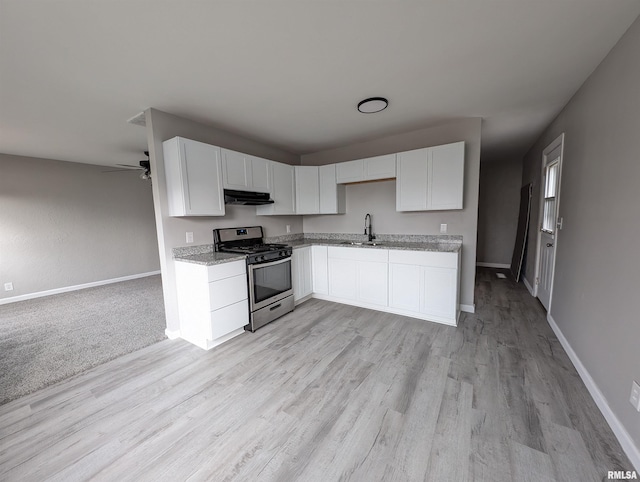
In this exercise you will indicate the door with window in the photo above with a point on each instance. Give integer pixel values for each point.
(551, 169)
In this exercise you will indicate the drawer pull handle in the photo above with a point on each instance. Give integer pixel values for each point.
(275, 307)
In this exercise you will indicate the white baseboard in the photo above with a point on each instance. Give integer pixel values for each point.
(172, 334)
(468, 308)
(627, 443)
(493, 265)
(66, 289)
(526, 283)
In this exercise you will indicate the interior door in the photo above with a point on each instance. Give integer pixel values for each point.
(549, 223)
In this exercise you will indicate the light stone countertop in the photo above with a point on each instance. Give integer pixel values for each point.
(452, 247)
(205, 255)
(209, 258)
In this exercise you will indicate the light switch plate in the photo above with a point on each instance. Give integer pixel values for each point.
(189, 237)
(443, 228)
(288, 228)
(8, 286)
(635, 396)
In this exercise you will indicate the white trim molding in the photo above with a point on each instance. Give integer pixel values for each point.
(468, 308)
(66, 289)
(627, 443)
(528, 285)
(493, 265)
(172, 334)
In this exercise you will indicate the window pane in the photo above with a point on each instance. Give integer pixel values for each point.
(549, 217)
(551, 180)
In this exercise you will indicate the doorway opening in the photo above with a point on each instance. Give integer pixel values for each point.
(549, 221)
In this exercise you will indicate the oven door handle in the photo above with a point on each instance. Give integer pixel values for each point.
(271, 263)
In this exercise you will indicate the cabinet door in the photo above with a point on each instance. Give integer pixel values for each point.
(404, 287)
(446, 176)
(194, 178)
(296, 274)
(332, 195)
(283, 191)
(373, 282)
(320, 269)
(380, 167)
(343, 278)
(438, 295)
(261, 174)
(228, 319)
(350, 171)
(411, 183)
(236, 169)
(307, 271)
(307, 190)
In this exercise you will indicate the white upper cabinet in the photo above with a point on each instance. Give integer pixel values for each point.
(332, 195)
(283, 191)
(307, 190)
(261, 174)
(411, 183)
(369, 169)
(380, 167)
(194, 178)
(350, 171)
(446, 177)
(431, 178)
(236, 168)
(244, 172)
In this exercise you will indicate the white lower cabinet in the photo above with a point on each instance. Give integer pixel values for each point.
(320, 271)
(425, 284)
(212, 302)
(301, 273)
(343, 276)
(420, 284)
(358, 274)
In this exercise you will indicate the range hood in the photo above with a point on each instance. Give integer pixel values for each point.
(247, 198)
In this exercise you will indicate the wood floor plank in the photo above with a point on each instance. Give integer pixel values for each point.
(529, 465)
(449, 457)
(328, 392)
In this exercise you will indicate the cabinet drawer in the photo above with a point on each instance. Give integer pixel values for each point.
(227, 291)
(226, 270)
(228, 319)
(424, 258)
(359, 254)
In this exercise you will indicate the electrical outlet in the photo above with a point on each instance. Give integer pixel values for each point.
(8, 286)
(443, 228)
(189, 237)
(635, 396)
(288, 228)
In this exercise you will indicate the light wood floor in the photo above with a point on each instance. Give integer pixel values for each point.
(329, 392)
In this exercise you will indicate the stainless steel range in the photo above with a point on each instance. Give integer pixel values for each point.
(268, 272)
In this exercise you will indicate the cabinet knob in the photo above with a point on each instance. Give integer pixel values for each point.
(549, 245)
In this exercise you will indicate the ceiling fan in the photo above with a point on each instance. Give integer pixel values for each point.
(144, 166)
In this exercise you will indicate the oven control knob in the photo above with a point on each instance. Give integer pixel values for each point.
(260, 258)
(283, 253)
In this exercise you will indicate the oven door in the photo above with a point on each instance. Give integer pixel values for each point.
(269, 282)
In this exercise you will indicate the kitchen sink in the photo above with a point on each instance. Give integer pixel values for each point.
(361, 243)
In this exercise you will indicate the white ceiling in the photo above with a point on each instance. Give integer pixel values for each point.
(290, 73)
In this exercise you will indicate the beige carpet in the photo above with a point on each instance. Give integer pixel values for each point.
(45, 340)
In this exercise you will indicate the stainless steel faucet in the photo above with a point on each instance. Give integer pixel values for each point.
(368, 229)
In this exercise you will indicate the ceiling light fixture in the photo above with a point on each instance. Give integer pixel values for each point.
(373, 105)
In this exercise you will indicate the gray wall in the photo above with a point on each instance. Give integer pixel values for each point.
(596, 276)
(498, 207)
(64, 224)
(379, 199)
(171, 231)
